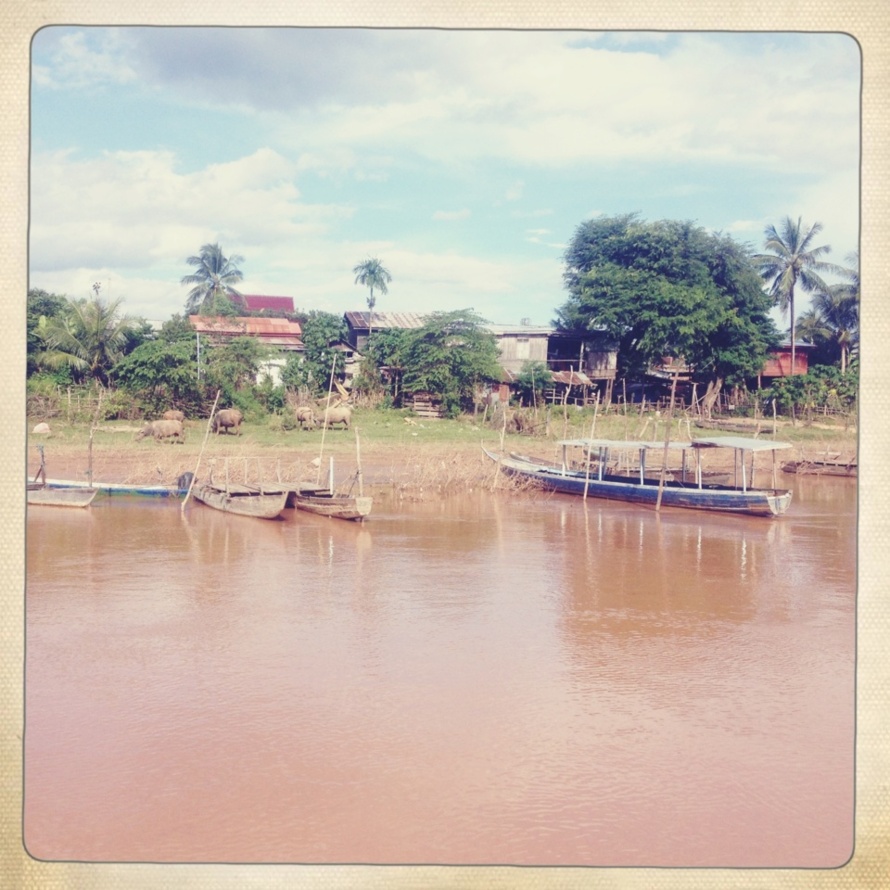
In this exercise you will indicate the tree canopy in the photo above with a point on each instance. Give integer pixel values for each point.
(41, 306)
(312, 368)
(372, 274)
(87, 337)
(832, 321)
(449, 355)
(212, 281)
(668, 288)
(793, 259)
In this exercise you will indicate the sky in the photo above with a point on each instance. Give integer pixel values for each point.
(463, 160)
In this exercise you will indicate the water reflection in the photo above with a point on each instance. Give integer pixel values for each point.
(528, 680)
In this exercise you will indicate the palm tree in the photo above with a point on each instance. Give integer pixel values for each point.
(371, 273)
(834, 315)
(792, 260)
(213, 279)
(88, 337)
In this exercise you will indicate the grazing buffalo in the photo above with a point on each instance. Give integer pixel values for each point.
(341, 414)
(163, 429)
(305, 417)
(228, 419)
(174, 415)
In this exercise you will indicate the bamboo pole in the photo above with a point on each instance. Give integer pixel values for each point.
(667, 442)
(324, 422)
(589, 449)
(200, 454)
(358, 462)
(90, 444)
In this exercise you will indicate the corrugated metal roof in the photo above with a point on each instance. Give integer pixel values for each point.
(243, 326)
(359, 320)
(571, 378)
(519, 330)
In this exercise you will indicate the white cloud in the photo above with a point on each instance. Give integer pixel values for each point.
(515, 114)
(84, 59)
(132, 213)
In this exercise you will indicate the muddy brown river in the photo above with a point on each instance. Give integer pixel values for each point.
(482, 680)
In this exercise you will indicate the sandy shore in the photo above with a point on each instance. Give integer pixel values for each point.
(430, 466)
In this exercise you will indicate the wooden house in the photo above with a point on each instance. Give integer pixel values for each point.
(361, 325)
(278, 333)
(778, 362)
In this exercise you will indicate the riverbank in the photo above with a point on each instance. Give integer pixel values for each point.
(392, 449)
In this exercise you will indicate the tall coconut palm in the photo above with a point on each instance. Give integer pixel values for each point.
(371, 273)
(213, 279)
(792, 260)
(834, 316)
(88, 337)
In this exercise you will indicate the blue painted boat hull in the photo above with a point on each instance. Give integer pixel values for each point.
(157, 491)
(717, 498)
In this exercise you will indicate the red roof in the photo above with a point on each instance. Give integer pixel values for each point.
(256, 302)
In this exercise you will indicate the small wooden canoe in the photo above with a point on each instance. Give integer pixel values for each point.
(241, 500)
(325, 503)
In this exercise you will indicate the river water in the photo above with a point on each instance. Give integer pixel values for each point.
(486, 679)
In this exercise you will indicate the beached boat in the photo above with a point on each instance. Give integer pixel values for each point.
(242, 500)
(595, 475)
(822, 467)
(41, 493)
(324, 502)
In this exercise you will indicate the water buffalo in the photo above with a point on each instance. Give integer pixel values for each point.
(341, 414)
(305, 417)
(174, 415)
(228, 418)
(162, 429)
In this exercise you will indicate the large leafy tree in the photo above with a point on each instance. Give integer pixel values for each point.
(232, 368)
(832, 321)
(162, 373)
(449, 356)
(212, 281)
(791, 258)
(41, 305)
(668, 288)
(372, 274)
(88, 337)
(312, 368)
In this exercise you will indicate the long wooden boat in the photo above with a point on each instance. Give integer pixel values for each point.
(324, 502)
(685, 487)
(40, 493)
(762, 428)
(242, 500)
(121, 488)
